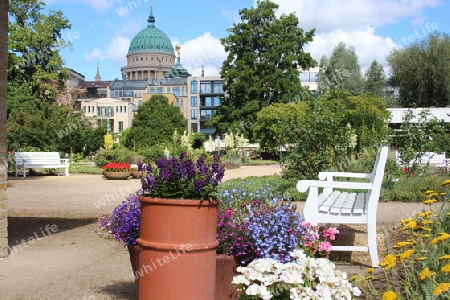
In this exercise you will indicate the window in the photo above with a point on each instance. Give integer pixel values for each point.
(168, 90)
(182, 91)
(117, 109)
(176, 91)
(124, 109)
(218, 87)
(205, 87)
(194, 87)
(193, 101)
(216, 101)
(304, 77)
(152, 90)
(89, 109)
(121, 107)
(193, 114)
(159, 90)
(182, 104)
(207, 101)
(120, 126)
(205, 115)
(194, 127)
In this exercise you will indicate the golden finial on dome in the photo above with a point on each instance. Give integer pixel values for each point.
(178, 48)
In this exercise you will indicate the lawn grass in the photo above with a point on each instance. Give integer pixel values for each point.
(84, 168)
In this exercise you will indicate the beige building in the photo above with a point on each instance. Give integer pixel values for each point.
(116, 113)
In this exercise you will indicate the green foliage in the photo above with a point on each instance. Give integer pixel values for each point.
(426, 134)
(197, 140)
(330, 131)
(34, 40)
(341, 71)
(419, 265)
(155, 123)
(151, 154)
(264, 53)
(376, 82)
(422, 72)
(271, 127)
(115, 155)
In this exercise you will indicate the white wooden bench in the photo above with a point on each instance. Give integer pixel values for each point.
(433, 159)
(40, 160)
(347, 202)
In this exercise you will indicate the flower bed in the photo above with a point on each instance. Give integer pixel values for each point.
(419, 265)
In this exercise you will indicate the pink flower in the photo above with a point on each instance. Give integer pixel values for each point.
(330, 233)
(306, 224)
(325, 246)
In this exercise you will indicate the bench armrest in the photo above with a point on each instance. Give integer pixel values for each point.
(328, 175)
(65, 160)
(304, 185)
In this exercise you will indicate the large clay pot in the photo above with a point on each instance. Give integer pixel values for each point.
(116, 175)
(226, 266)
(178, 256)
(133, 251)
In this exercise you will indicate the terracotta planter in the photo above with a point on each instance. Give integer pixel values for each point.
(178, 257)
(133, 251)
(116, 175)
(225, 270)
(136, 174)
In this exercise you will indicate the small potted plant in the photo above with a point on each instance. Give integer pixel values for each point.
(178, 227)
(116, 170)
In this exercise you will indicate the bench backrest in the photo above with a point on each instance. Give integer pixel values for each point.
(378, 172)
(37, 157)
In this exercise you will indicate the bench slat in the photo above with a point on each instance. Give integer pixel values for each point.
(347, 207)
(361, 204)
(336, 207)
(326, 205)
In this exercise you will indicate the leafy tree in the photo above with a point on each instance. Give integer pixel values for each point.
(422, 72)
(155, 123)
(376, 81)
(273, 123)
(34, 41)
(264, 54)
(341, 71)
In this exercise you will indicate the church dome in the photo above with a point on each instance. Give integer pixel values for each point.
(151, 40)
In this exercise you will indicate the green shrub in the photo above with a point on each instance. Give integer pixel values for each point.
(151, 154)
(114, 155)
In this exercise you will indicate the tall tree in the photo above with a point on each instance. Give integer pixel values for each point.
(34, 41)
(155, 123)
(341, 71)
(264, 54)
(422, 72)
(376, 82)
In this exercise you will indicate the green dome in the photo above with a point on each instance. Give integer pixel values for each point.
(151, 40)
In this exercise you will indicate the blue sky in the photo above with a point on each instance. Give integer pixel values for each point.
(102, 29)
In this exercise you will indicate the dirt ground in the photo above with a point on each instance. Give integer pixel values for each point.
(56, 252)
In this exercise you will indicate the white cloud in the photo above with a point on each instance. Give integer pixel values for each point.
(368, 46)
(116, 51)
(328, 15)
(206, 51)
(95, 54)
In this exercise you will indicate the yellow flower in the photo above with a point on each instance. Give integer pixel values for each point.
(426, 228)
(370, 270)
(388, 262)
(447, 256)
(353, 278)
(407, 254)
(441, 288)
(369, 277)
(428, 192)
(425, 214)
(446, 182)
(410, 225)
(389, 295)
(422, 258)
(425, 273)
(442, 194)
(446, 268)
(406, 220)
(403, 244)
(425, 222)
(444, 236)
(429, 201)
